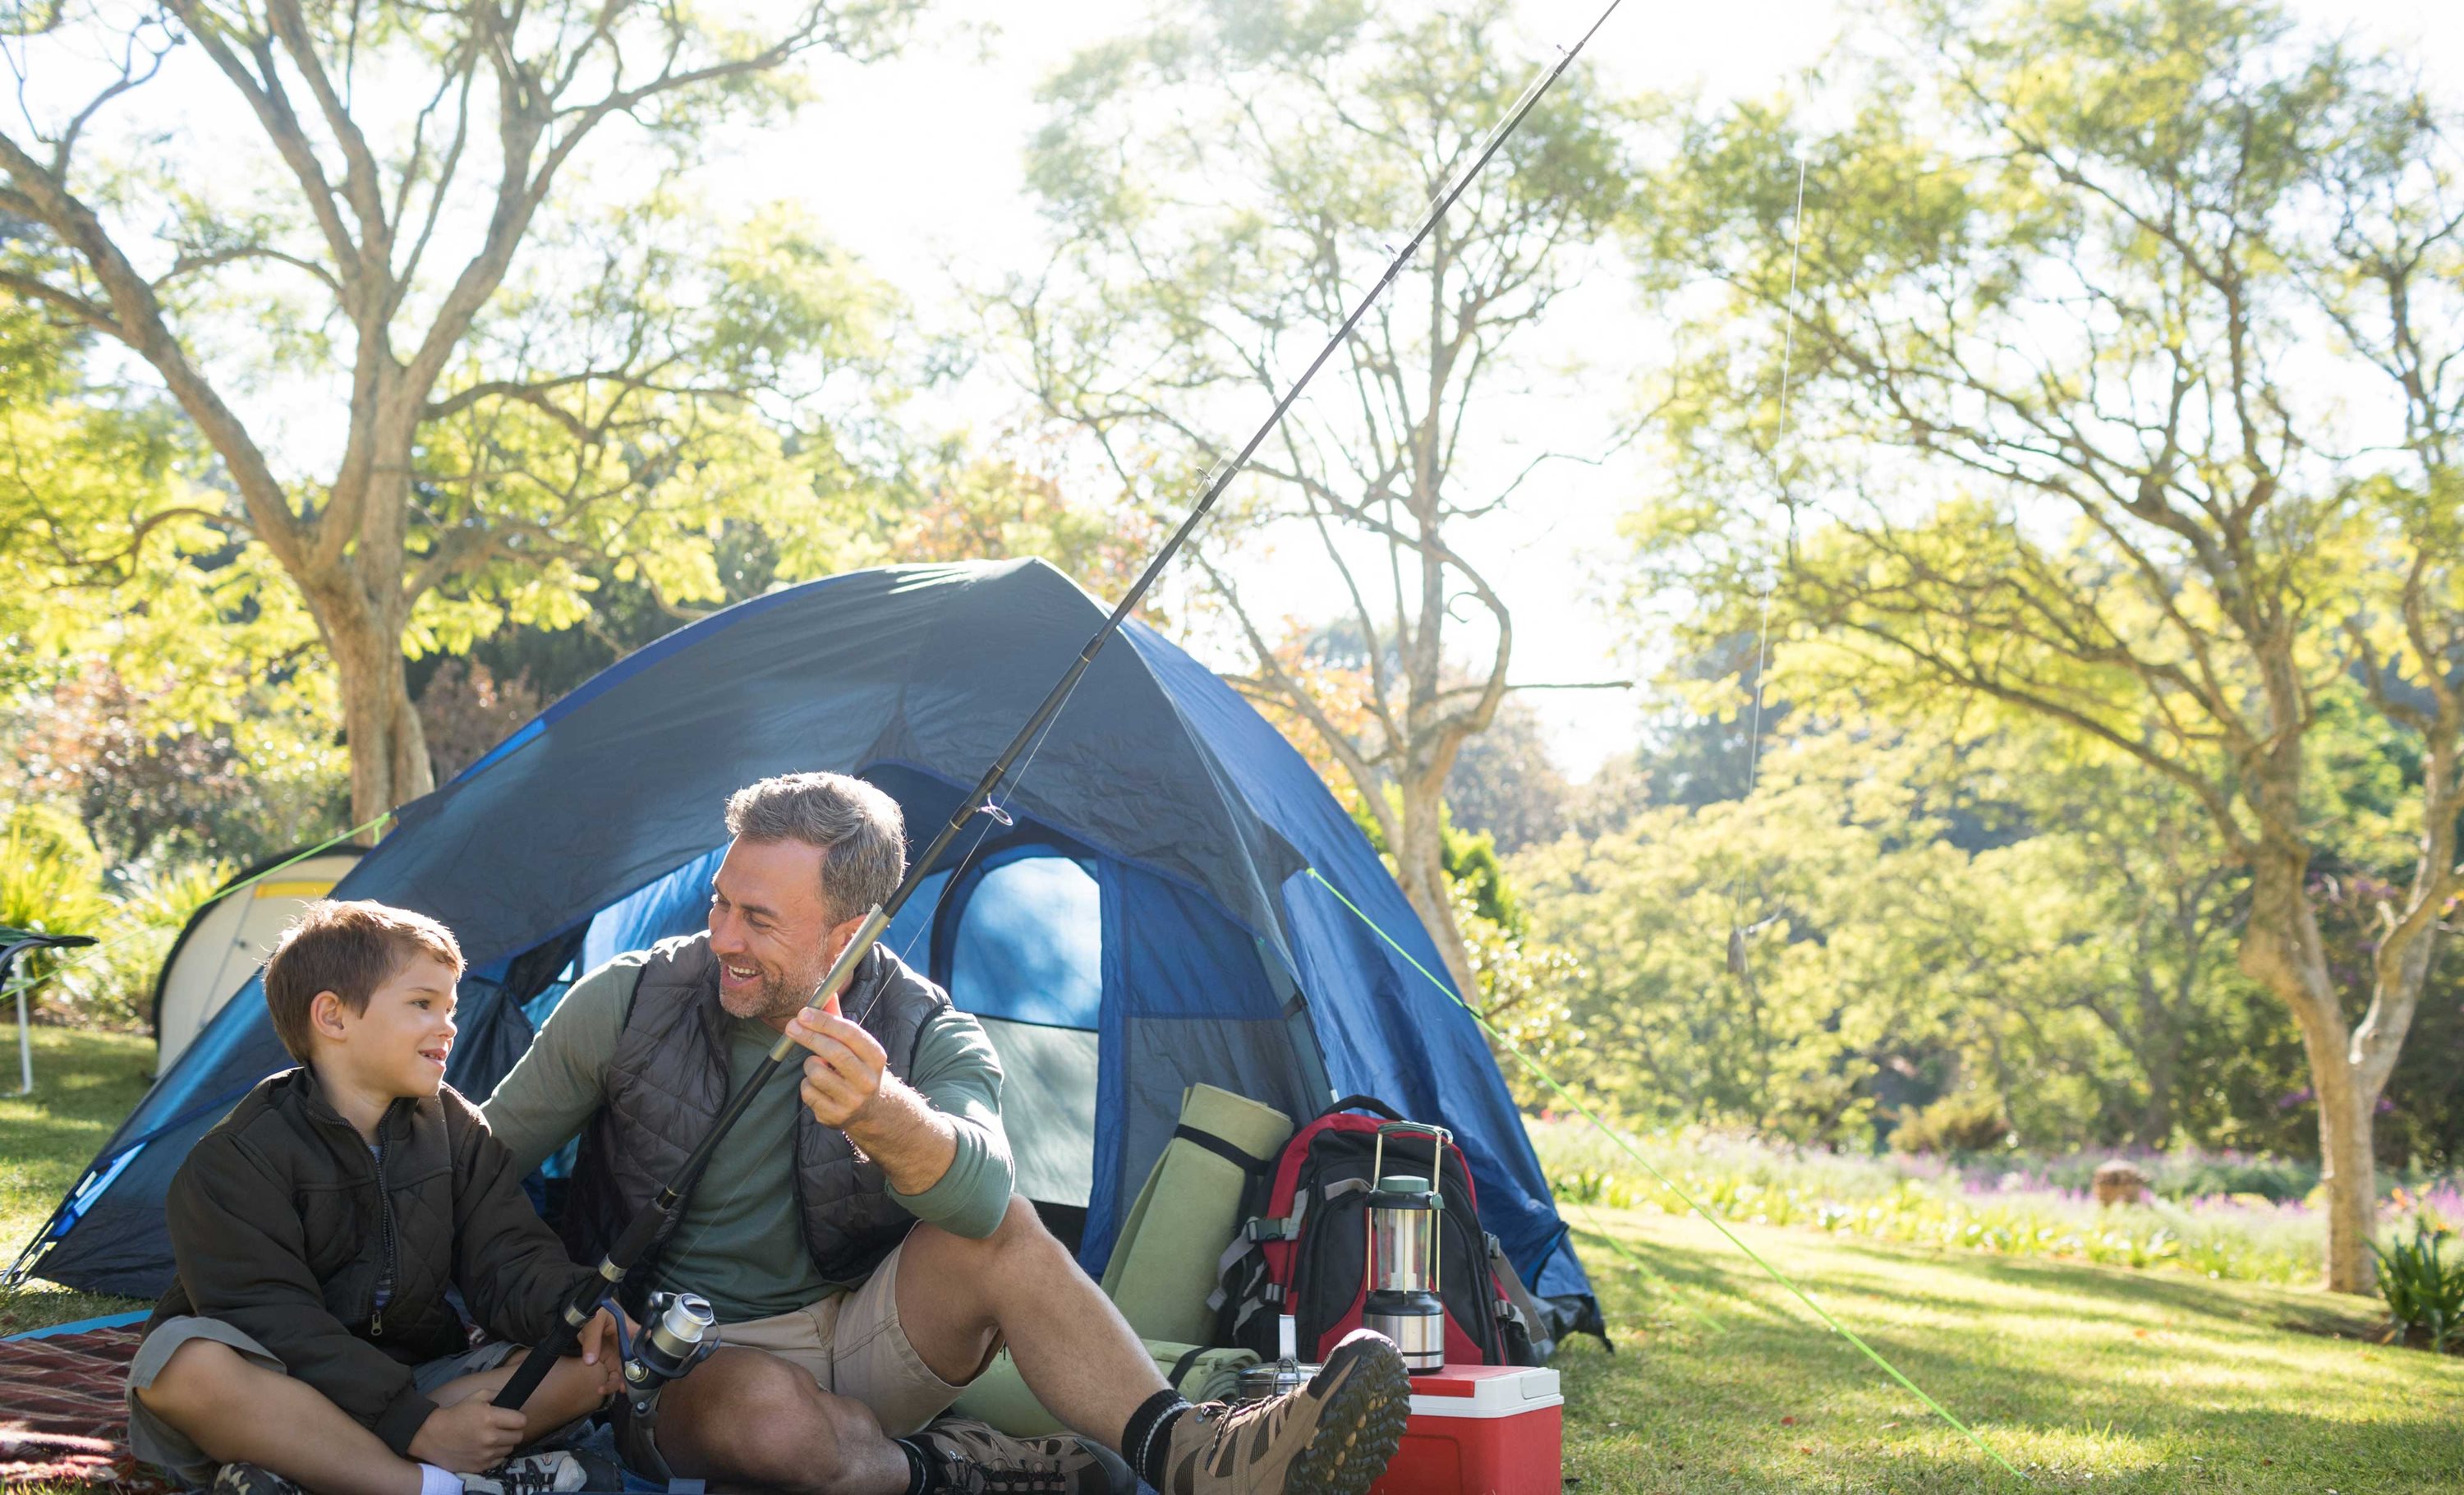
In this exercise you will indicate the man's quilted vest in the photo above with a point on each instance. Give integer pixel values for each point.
(669, 1081)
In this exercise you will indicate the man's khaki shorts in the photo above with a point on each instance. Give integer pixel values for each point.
(853, 1346)
(158, 1442)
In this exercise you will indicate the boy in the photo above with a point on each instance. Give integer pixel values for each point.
(306, 1338)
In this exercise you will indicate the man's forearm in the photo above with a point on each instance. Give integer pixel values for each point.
(899, 1130)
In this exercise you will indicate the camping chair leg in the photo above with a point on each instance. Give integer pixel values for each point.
(25, 1050)
(25, 1039)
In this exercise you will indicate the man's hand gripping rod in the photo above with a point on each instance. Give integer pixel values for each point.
(646, 1227)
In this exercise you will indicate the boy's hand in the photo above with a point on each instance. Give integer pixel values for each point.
(598, 1344)
(468, 1436)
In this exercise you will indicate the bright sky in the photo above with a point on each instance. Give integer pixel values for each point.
(921, 184)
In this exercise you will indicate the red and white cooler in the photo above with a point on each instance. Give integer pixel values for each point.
(1480, 1430)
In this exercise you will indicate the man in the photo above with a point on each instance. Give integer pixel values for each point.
(856, 1231)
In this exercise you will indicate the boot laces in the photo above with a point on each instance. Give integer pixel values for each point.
(1225, 1420)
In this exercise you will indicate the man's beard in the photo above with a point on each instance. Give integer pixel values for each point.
(777, 997)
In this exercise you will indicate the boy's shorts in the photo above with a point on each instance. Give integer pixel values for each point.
(158, 1442)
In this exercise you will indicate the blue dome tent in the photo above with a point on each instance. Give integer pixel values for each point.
(1146, 920)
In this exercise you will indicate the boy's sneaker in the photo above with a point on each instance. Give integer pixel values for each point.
(251, 1479)
(531, 1474)
(977, 1459)
(1332, 1437)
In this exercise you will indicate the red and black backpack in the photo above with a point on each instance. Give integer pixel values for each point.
(1304, 1247)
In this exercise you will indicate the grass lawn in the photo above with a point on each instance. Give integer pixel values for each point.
(2086, 1378)
(85, 1084)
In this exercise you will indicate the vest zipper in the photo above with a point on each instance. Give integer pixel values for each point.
(384, 1217)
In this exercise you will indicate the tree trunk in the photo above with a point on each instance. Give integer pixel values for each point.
(388, 751)
(2348, 1168)
(2281, 949)
(1419, 866)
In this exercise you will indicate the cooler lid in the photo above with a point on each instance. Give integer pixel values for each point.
(1485, 1390)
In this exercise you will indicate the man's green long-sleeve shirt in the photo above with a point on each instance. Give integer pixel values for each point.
(739, 1243)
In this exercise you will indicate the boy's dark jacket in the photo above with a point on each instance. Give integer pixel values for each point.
(279, 1229)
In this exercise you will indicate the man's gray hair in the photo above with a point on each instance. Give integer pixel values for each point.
(861, 835)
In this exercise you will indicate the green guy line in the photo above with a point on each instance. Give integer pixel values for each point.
(1627, 1147)
(72, 961)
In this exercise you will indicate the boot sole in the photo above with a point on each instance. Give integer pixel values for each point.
(1361, 1426)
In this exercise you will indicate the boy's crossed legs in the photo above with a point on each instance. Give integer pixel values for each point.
(214, 1403)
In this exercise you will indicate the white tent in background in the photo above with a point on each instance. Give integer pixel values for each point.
(226, 940)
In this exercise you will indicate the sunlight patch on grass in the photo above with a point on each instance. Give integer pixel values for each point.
(2087, 1377)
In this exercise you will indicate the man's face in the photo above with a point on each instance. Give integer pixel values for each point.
(398, 1046)
(770, 928)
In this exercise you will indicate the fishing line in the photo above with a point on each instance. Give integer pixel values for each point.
(1541, 1072)
(1735, 952)
(1779, 444)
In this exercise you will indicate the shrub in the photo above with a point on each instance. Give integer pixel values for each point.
(1969, 1122)
(52, 879)
(2424, 1290)
(50, 882)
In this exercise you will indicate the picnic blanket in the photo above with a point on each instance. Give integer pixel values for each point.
(64, 1410)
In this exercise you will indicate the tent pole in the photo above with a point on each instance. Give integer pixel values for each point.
(646, 1228)
(25, 1048)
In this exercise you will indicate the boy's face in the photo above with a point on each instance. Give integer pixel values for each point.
(398, 1046)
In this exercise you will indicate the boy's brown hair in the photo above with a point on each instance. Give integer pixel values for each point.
(349, 947)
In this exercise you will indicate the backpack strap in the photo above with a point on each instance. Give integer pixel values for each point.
(1366, 1102)
(1221, 1148)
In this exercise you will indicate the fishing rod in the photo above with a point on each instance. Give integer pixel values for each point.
(646, 1228)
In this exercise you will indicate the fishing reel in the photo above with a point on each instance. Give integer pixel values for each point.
(678, 1330)
(678, 1333)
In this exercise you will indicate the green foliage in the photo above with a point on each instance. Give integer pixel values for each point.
(744, 373)
(2424, 1290)
(1471, 862)
(52, 879)
(1997, 924)
(1524, 992)
(1966, 1123)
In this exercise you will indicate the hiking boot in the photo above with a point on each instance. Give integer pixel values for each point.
(977, 1459)
(531, 1474)
(1332, 1437)
(251, 1479)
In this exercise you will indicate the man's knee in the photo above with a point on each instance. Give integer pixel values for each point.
(1022, 1226)
(1020, 1230)
(762, 1419)
(200, 1376)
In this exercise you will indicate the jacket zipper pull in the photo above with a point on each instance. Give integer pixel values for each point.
(384, 1216)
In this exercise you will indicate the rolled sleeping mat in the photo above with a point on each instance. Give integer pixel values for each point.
(1172, 1242)
(1000, 1397)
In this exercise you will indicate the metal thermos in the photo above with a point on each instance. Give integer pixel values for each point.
(1404, 1212)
